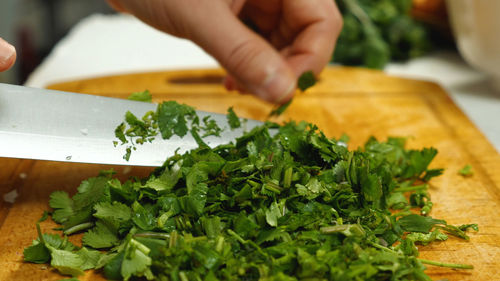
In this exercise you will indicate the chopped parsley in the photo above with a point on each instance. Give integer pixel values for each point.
(305, 81)
(466, 171)
(295, 205)
(141, 96)
(169, 119)
(232, 119)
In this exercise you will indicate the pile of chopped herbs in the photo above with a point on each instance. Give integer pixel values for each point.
(378, 31)
(292, 205)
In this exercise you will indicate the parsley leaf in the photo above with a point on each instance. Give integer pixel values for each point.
(36, 253)
(232, 119)
(144, 96)
(273, 214)
(280, 109)
(62, 205)
(115, 211)
(101, 236)
(172, 119)
(44, 216)
(416, 223)
(90, 258)
(305, 81)
(466, 171)
(66, 262)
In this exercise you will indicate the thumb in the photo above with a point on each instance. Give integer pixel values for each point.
(249, 59)
(7, 55)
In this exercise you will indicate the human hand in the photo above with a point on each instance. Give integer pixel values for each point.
(7, 55)
(294, 36)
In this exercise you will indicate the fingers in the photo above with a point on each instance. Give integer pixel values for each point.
(318, 24)
(115, 4)
(304, 31)
(252, 62)
(7, 55)
(236, 5)
(302, 35)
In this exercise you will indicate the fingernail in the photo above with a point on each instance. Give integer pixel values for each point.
(7, 51)
(277, 87)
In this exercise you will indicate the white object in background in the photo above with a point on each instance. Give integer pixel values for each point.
(476, 25)
(102, 45)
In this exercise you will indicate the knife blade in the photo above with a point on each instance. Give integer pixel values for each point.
(61, 126)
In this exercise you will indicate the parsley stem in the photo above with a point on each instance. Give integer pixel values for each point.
(173, 239)
(78, 227)
(287, 178)
(139, 246)
(245, 242)
(378, 246)
(424, 261)
(346, 229)
(156, 235)
(183, 276)
(444, 264)
(40, 235)
(412, 188)
(253, 183)
(235, 235)
(220, 244)
(272, 187)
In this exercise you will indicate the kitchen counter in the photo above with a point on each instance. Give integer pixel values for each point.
(116, 44)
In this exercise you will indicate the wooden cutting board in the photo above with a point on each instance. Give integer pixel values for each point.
(358, 102)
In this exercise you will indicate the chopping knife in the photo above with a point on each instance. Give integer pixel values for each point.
(60, 126)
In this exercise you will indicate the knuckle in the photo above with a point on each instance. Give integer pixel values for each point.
(333, 17)
(339, 24)
(337, 17)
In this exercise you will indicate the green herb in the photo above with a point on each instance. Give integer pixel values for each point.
(306, 80)
(295, 205)
(280, 109)
(44, 217)
(466, 171)
(465, 227)
(377, 31)
(232, 119)
(450, 265)
(141, 96)
(169, 119)
(62, 254)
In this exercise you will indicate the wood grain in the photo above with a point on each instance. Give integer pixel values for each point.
(358, 102)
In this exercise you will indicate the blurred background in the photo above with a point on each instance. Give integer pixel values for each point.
(395, 30)
(35, 26)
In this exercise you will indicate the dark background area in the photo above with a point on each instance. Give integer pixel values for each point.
(35, 26)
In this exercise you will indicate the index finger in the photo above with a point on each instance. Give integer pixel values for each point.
(7, 55)
(317, 24)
